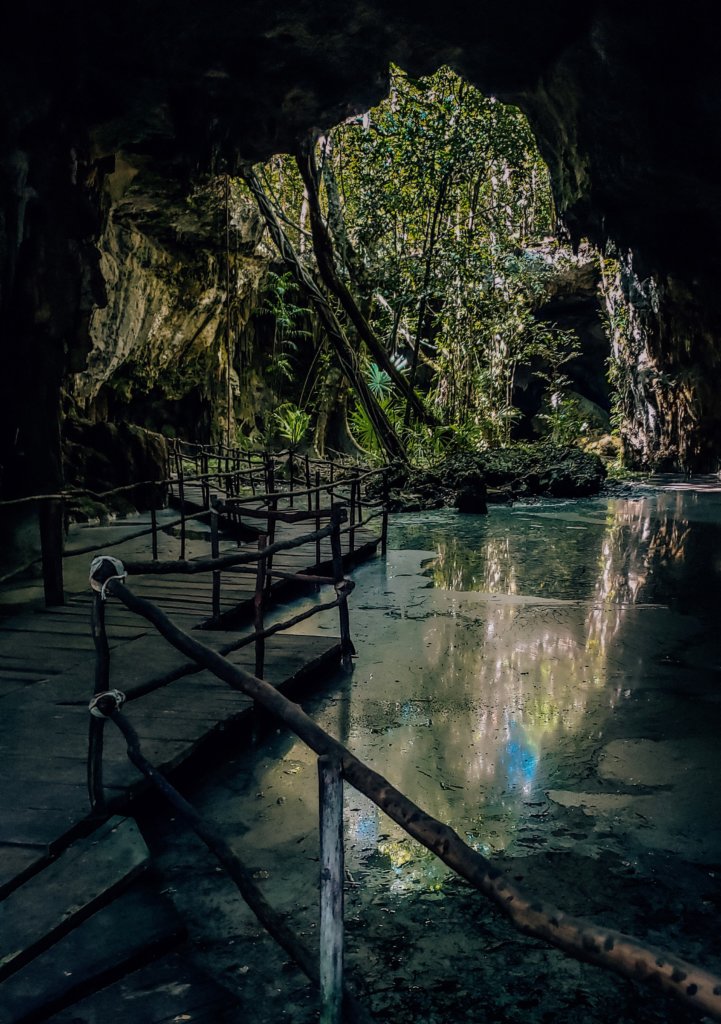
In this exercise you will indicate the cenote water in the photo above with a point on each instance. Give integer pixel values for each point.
(545, 679)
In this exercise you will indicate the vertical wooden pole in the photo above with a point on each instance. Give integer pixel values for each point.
(251, 469)
(181, 499)
(317, 519)
(97, 725)
(258, 606)
(273, 504)
(337, 517)
(52, 540)
(154, 524)
(291, 467)
(205, 484)
(351, 534)
(307, 484)
(271, 540)
(330, 786)
(384, 529)
(214, 552)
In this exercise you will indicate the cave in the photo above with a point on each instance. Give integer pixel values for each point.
(621, 103)
(119, 127)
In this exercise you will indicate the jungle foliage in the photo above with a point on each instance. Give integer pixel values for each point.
(427, 220)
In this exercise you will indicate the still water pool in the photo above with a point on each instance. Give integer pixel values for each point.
(546, 680)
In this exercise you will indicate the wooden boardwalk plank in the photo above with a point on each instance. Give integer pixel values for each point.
(135, 929)
(47, 664)
(172, 989)
(17, 861)
(87, 875)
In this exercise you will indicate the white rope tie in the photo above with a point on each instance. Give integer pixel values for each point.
(118, 574)
(103, 705)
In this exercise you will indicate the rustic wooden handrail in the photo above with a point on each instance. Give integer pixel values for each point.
(284, 516)
(199, 565)
(274, 923)
(577, 937)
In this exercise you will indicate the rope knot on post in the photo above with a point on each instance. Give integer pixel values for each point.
(103, 569)
(344, 587)
(103, 705)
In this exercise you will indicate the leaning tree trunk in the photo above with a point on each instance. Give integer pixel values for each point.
(331, 425)
(323, 248)
(347, 357)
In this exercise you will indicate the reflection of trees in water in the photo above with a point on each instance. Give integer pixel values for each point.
(506, 680)
(546, 558)
(493, 569)
(499, 687)
(640, 545)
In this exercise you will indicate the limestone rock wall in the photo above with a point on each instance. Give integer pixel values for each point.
(159, 345)
(666, 362)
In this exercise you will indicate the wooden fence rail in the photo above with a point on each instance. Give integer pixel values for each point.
(576, 937)
(215, 470)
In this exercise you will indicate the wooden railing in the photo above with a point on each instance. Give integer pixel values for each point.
(259, 565)
(576, 937)
(215, 471)
(257, 485)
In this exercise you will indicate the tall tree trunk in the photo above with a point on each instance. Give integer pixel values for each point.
(423, 305)
(323, 248)
(347, 357)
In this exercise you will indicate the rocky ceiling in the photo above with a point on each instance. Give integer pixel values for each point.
(625, 101)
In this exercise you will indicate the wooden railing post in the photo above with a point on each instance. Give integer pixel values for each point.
(291, 468)
(214, 552)
(205, 481)
(270, 482)
(384, 528)
(97, 725)
(330, 786)
(317, 520)
(337, 517)
(102, 569)
(308, 484)
(52, 540)
(351, 532)
(251, 470)
(258, 607)
(154, 527)
(181, 499)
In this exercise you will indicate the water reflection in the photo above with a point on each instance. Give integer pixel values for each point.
(538, 627)
(496, 655)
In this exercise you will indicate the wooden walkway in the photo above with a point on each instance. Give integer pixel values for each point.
(47, 665)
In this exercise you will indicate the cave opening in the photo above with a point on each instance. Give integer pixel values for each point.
(145, 299)
(437, 211)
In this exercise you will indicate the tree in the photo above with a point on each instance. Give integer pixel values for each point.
(425, 215)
